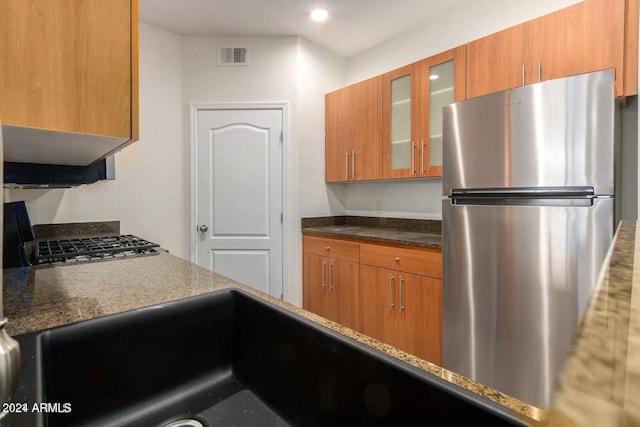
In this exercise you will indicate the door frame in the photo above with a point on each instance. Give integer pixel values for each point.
(283, 106)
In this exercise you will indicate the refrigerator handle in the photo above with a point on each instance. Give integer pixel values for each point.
(526, 192)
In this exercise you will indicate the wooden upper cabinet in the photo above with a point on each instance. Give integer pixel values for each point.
(588, 36)
(353, 132)
(442, 81)
(496, 62)
(70, 66)
(400, 98)
(413, 97)
(338, 134)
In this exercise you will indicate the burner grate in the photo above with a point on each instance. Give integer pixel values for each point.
(90, 248)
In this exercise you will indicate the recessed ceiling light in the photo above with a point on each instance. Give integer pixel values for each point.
(319, 15)
(434, 76)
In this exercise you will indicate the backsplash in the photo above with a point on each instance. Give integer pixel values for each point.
(76, 229)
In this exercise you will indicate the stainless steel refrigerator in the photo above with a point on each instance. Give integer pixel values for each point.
(528, 186)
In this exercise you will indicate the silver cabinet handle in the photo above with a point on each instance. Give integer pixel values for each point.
(324, 264)
(401, 303)
(413, 158)
(539, 71)
(203, 229)
(346, 165)
(390, 292)
(522, 74)
(396, 259)
(330, 275)
(353, 164)
(422, 158)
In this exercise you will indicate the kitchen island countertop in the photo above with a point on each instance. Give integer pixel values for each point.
(598, 385)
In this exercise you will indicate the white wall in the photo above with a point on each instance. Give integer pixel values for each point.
(150, 195)
(460, 25)
(280, 69)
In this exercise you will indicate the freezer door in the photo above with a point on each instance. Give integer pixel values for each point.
(557, 133)
(516, 281)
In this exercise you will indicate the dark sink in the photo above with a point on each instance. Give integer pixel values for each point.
(229, 358)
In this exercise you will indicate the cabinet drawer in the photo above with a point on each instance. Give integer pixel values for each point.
(334, 248)
(419, 261)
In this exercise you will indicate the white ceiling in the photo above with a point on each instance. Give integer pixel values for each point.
(353, 25)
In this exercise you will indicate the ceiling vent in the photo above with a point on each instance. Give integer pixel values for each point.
(233, 56)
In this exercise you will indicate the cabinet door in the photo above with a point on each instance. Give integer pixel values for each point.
(497, 62)
(314, 284)
(70, 65)
(420, 316)
(588, 36)
(442, 81)
(343, 281)
(338, 135)
(399, 122)
(366, 100)
(377, 303)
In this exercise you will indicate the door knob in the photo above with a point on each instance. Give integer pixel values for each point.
(203, 228)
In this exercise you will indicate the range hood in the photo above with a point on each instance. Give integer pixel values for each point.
(40, 175)
(36, 158)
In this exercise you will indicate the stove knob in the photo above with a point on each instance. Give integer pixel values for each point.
(203, 228)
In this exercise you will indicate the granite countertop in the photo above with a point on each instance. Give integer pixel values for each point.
(600, 382)
(599, 385)
(412, 232)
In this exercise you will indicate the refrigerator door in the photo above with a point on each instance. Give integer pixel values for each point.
(516, 282)
(552, 134)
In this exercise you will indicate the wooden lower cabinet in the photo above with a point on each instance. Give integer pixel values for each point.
(403, 310)
(331, 289)
(391, 293)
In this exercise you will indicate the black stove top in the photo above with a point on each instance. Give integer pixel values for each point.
(92, 249)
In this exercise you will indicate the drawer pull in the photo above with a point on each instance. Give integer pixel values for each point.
(390, 292)
(324, 264)
(401, 303)
(346, 165)
(330, 276)
(396, 259)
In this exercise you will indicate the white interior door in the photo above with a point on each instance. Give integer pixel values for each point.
(239, 195)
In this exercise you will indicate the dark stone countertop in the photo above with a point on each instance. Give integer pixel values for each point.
(411, 232)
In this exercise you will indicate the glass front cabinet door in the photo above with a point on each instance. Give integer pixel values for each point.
(399, 118)
(413, 97)
(442, 82)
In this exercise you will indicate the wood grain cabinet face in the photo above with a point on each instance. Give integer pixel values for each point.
(585, 37)
(403, 310)
(70, 66)
(353, 132)
(401, 298)
(331, 284)
(391, 293)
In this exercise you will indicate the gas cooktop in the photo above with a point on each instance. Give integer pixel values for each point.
(92, 249)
